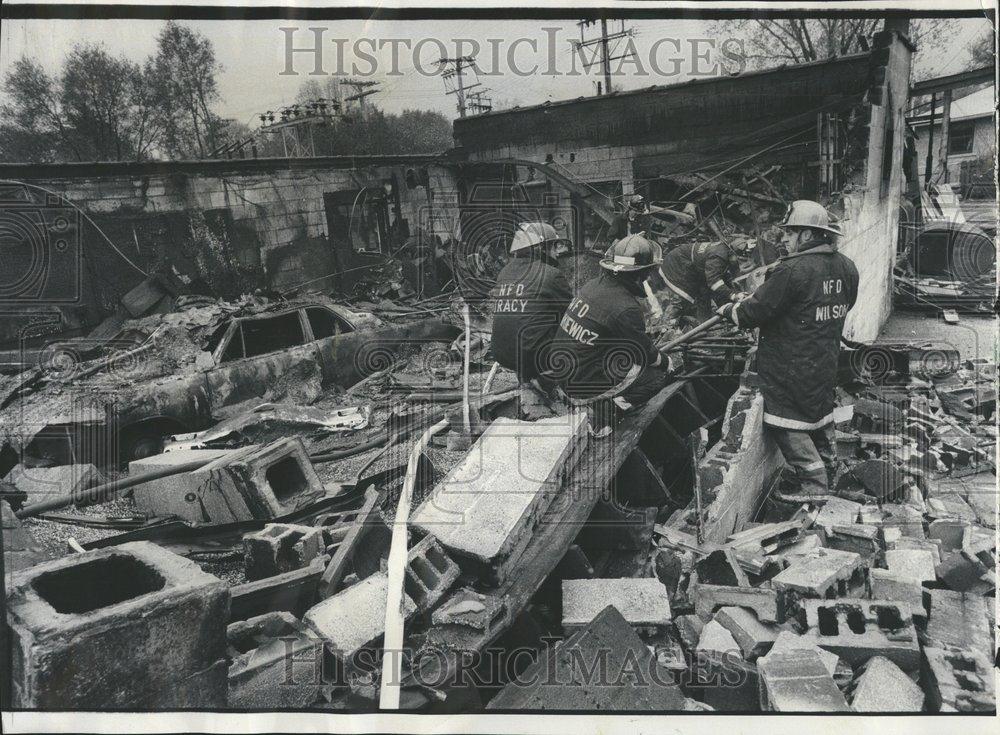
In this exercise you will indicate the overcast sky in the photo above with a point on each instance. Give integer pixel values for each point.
(253, 56)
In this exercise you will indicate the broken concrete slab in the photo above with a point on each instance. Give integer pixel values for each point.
(114, 611)
(276, 663)
(821, 573)
(965, 573)
(721, 567)
(788, 641)
(959, 681)
(958, 620)
(949, 532)
(429, 573)
(354, 618)
(884, 687)
(280, 548)
(879, 478)
(643, 602)
(243, 484)
(752, 636)
(857, 629)
(913, 563)
(717, 642)
(634, 682)
(485, 508)
(471, 609)
(797, 681)
(43, 482)
(689, 629)
(906, 518)
(20, 550)
(838, 512)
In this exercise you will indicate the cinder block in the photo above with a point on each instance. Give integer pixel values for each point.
(485, 509)
(354, 618)
(276, 663)
(251, 482)
(767, 603)
(116, 628)
(797, 681)
(884, 687)
(886, 585)
(429, 573)
(959, 681)
(752, 636)
(643, 602)
(821, 573)
(42, 482)
(280, 548)
(912, 563)
(857, 629)
(856, 538)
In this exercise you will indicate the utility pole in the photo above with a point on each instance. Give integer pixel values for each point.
(606, 48)
(362, 89)
(455, 83)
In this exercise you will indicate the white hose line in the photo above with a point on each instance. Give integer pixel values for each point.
(392, 661)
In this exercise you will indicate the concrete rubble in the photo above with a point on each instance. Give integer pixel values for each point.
(879, 600)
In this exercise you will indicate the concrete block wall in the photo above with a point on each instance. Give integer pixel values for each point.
(275, 206)
(738, 470)
(871, 219)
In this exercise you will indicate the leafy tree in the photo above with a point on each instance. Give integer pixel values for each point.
(182, 74)
(984, 51)
(98, 108)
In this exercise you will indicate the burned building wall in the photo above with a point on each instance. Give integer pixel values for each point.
(638, 141)
(220, 227)
(870, 218)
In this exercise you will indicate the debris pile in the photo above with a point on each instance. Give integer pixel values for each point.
(257, 549)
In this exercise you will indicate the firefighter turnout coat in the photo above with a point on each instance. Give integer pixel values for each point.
(529, 298)
(601, 337)
(800, 310)
(695, 269)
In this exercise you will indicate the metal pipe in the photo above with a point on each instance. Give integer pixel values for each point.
(688, 336)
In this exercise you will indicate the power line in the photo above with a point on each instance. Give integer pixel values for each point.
(606, 50)
(455, 83)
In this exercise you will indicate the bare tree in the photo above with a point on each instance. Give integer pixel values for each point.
(774, 41)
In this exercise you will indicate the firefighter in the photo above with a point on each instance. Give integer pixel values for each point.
(635, 219)
(601, 346)
(698, 271)
(800, 311)
(529, 297)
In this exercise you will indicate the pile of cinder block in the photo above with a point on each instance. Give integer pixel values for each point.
(255, 482)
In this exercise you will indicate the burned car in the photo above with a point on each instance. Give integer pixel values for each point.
(190, 367)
